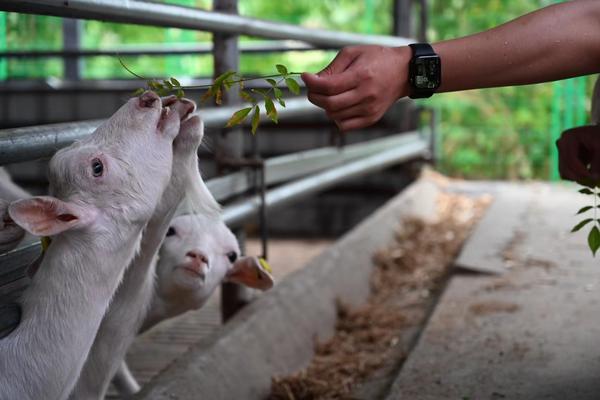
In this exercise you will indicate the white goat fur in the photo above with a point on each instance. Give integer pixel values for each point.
(97, 223)
(129, 306)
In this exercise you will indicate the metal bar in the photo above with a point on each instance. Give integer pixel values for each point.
(292, 166)
(71, 40)
(231, 141)
(273, 46)
(24, 144)
(238, 212)
(402, 12)
(145, 13)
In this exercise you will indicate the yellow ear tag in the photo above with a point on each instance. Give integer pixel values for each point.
(265, 265)
(45, 241)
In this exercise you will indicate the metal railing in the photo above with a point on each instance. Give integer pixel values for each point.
(297, 174)
(155, 14)
(161, 50)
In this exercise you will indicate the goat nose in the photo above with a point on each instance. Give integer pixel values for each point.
(197, 255)
(148, 99)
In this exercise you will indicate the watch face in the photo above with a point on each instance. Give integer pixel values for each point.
(426, 72)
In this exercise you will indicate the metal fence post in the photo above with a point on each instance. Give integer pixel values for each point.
(71, 41)
(231, 141)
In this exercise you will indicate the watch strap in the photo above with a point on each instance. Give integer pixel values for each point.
(422, 49)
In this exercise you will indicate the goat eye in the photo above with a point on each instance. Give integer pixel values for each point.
(97, 167)
(232, 256)
(171, 231)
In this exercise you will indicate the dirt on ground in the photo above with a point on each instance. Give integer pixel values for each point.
(408, 276)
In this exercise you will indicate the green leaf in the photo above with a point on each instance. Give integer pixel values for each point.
(272, 82)
(154, 85)
(585, 191)
(219, 96)
(292, 85)
(584, 209)
(581, 224)
(271, 110)
(278, 93)
(282, 69)
(594, 240)
(168, 84)
(207, 95)
(247, 97)
(138, 92)
(162, 92)
(175, 82)
(282, 102)
(221, 78)
(238, 117)
(263, 92)
(179, 93)
(255, 119)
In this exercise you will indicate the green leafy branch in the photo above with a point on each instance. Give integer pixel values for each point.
(227, 81)
(594, 234)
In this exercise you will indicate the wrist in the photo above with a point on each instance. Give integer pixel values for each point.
(403, 57)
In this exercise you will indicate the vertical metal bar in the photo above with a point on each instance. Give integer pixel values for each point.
(71, 41)
(231, 142)
(423, 20)
(402, 18)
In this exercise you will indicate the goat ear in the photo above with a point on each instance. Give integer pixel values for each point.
(251, 272)
(48, 216)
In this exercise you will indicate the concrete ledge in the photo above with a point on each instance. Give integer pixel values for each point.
(275, 334)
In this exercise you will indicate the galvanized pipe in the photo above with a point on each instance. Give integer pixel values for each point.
(296, 165)
(140, 12)
(273, 46)
(236, 213)
(30, 143)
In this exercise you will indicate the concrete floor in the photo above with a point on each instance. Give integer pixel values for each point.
(531, 330)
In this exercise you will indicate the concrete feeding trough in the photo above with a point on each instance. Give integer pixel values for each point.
(275, 334)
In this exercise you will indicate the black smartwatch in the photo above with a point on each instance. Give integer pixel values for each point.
(424, 71)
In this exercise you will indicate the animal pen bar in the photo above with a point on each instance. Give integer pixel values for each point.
(30, 143)
(272, 46)
(167, 15)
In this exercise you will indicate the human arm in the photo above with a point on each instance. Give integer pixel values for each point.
(555, 42)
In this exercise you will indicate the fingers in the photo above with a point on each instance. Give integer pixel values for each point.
(335, 103)
(573, 146)
(356, 111)
(355, 123)
(330, 84)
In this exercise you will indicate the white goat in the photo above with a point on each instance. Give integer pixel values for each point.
(126, 313)
(105, 190)
(196, 256)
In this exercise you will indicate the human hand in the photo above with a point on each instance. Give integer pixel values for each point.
(360, 84)
(579, 155)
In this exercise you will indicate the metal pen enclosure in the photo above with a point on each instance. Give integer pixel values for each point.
(293, 175)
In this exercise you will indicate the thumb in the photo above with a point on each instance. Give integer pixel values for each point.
(342, 60)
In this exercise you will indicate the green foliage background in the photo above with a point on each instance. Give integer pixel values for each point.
(495, 133)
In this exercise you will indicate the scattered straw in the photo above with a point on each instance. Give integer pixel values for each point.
(408, 275)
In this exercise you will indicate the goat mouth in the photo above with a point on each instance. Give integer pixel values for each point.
(191, 270)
